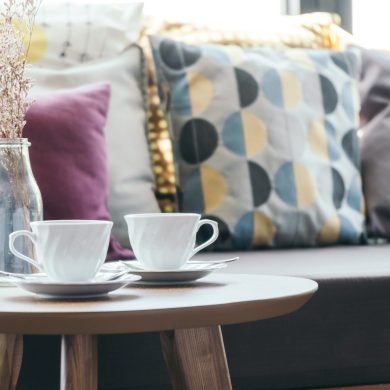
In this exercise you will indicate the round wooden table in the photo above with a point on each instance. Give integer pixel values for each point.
(188, 317)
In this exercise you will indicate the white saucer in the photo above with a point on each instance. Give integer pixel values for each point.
(5, 282)
(188, 273)
(9, 281)
(74, 290)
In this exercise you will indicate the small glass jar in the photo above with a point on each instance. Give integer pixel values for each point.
(20, 202)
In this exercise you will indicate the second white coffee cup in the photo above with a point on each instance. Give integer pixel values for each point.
(67, 250)
(166, 241)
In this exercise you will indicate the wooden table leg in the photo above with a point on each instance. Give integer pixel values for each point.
(79, 362)
(196, 359)
(11, 355)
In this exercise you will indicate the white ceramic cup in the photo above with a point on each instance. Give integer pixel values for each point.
(166, 241)
(67, 250)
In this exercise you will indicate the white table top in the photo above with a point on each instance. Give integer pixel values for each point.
(218, 299)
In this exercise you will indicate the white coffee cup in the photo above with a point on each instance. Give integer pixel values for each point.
(166, 241)
(67, 250)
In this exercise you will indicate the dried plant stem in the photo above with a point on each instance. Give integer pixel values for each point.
(16, 25)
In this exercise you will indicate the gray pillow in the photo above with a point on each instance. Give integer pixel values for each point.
(375, 142)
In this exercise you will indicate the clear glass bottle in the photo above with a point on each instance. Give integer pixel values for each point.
(20, 201)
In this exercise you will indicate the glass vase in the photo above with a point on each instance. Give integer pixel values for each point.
(20, 202)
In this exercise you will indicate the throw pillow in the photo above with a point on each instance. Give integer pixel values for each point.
(314, 30)
(266, 141)
(68, 156)
(131, 182)
(375, 141)
(67, 33)
(81, 42)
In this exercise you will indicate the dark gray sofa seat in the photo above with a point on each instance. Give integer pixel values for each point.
(341, 337)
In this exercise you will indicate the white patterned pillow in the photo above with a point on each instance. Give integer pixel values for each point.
(83, 43)
(71, 32)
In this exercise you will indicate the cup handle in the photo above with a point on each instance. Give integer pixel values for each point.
(32, 237)
(214, 225)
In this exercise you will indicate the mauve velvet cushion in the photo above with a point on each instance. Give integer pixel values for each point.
(375, 142)
(68, 155)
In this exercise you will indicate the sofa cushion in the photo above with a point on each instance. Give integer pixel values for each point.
(67, 33)
(129, 171)
(266, 141)
(375, 141)
(340, 337)
(320, 264)
(68, 155)
(81, 43)
(313, 30)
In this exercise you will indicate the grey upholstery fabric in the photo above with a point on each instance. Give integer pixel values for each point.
(321, 264)
(340, 337)
(375, 143)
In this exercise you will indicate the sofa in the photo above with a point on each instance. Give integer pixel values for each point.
(340, 338)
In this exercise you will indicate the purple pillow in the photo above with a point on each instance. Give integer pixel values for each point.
(68, 156)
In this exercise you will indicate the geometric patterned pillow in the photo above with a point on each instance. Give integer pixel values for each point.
(313, 30)
(265, 141)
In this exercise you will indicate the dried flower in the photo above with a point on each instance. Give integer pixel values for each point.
(16, 24)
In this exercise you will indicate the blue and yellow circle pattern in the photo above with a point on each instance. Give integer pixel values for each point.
(266, 142)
